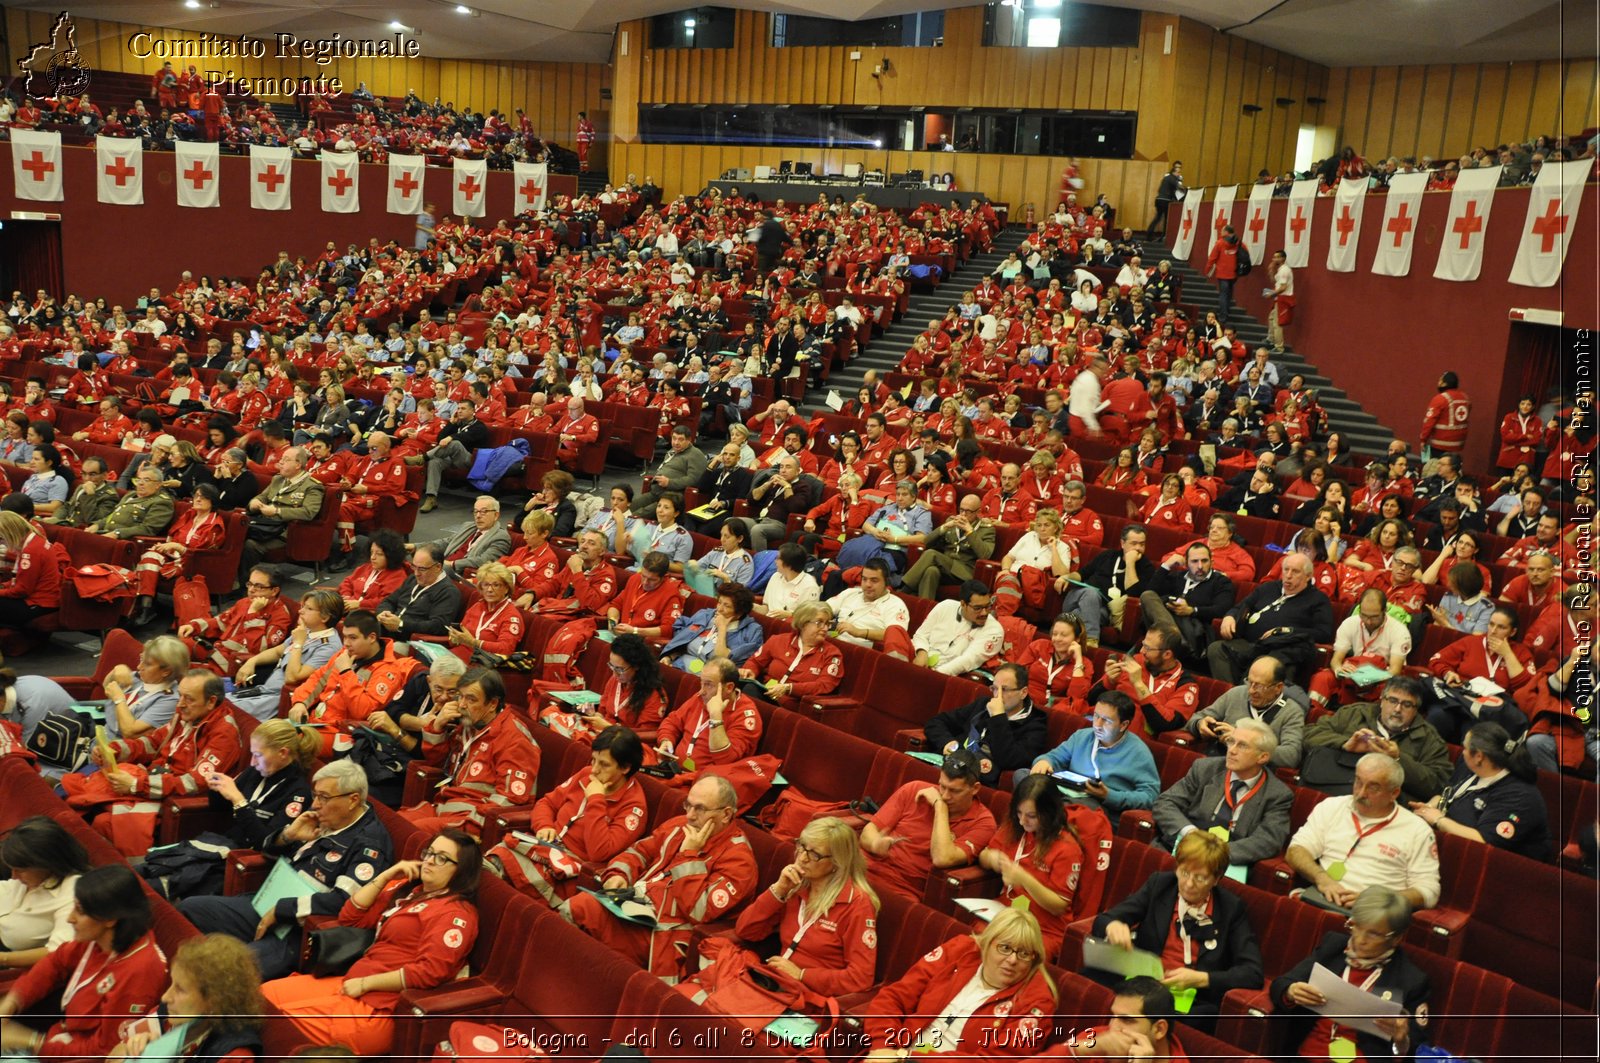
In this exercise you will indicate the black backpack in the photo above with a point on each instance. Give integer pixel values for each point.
(63, 738)
(1245, 263)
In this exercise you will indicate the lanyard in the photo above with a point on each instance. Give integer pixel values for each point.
(192, 536)
(488, 619)
(1232, 803)
(1183, 935)
(1377, 972)
(1491, 660)
(701, 728)
(800, 653)
(805, 925)
(1363, 835)
(1367, 643)
(80, 979)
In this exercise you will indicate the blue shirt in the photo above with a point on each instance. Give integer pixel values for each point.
(1127, 769)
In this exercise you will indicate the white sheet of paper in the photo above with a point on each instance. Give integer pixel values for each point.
(1484, 688)
(1351, 1005)
(985, 908)
(1104, 956)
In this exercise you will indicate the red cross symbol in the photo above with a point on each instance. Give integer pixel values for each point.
(531, 190)
(1550, 225)
(1468, 224)
(1401, 223)
(1345, 224)
(36, 165)
(470, 187)
(340, 182)
(406, 184)
(121, 171)
(1188, 223)
(197, 174)
(271, 178)
(1221, 222)
(1257, 223)
(1297, 224)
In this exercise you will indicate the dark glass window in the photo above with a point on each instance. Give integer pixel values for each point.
(695, 27)
(919, 29)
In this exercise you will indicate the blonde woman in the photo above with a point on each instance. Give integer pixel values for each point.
(988, 994)
(493, 623)
(823, 911)
(1040, 560)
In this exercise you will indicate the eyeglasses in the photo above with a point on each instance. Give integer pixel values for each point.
(322, 799)
(691, 807)
(1011, 952)
(254, 586)
(1396, 703)
(434, 856)
(806, 851)
(1367, 932)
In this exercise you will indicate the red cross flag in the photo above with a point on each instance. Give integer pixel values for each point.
(119, 170)
(36, 164)
(1188, 222)
(1254, 232)
(197, 174)
(532, 179)
(1297, 223)
(269, 178)
(1221, 214)
(1552, 219)
(405, 184)
(1346, 230)
(1461, 246)
(466, 187)
(341, 182)
(1399, 232)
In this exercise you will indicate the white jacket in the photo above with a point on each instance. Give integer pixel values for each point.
(960, 646)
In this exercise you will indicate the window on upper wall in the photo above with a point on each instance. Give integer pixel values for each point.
(918, 29)
(695, 27)
(1059, 24)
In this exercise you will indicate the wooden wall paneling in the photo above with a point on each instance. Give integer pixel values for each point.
(1435, 102)
(1462, 104)
(1409, 88)
(1577, 97)
(1489, 104)
(1228, 157)
(1358, 111)
(1380, 123)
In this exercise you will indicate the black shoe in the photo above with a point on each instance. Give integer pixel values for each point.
(341, 562)
(144, 616)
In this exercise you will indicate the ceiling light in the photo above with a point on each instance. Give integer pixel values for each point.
(397, 26)
(463, 9)
(191, 4)
(688, 23)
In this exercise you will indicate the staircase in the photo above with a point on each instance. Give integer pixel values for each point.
(593, 182)
(885, 351)
(287, 114)
(1358, 428)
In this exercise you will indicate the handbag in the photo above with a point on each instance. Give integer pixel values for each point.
(333, 950)
(63, 738)
(738, 985)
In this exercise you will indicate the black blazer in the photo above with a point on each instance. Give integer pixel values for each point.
(1235, 961)
(1400, 978)
(1212, 597)
(1005, 743)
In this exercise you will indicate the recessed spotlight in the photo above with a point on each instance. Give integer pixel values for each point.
(397, 26)
(191, 4)
(463, 9)
(688, 23)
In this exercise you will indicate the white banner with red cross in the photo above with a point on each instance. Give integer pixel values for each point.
(269, 178)
(467, 187)
(1297, 223)
(1399, 233)
(197, 174)
(36, 164)
(1188, 222)
(532, 186)
(119, 170)
(341, 182)
(1552, 220)
(1461, 246)
(405, 183)
(1344, 231)
(1254, 236)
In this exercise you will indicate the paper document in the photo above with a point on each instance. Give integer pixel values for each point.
(1351, 1005)
(1366, 674)
(283, 882)
(985, 908)
(1484, 688)
(1129, 963)
(923, 755)
(794, 1028)
(577, 697)
(699, 580)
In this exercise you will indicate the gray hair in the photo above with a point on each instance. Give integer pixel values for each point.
(909, 485)
(727, 796)
(1381, 906)
(1266, 741)
(493, 501)
(1231, 421)
(447, 666)
(1409, 552)
(346, 774)
(1382, 763)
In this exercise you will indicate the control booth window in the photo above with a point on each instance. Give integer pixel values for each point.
(695, 27)
(1059, 24)
(917, 29)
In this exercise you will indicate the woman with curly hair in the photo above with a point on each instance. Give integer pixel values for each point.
(214, 1006)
